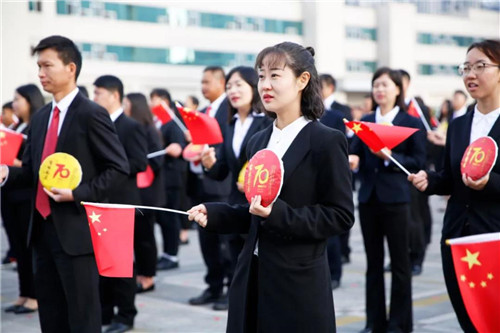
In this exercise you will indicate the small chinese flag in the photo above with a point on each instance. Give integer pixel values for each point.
(476, 260)
(112, 232)
(415, 111)
(161, 113)
(145, 179)
(10, 142)
(378, 136)
(203, 128)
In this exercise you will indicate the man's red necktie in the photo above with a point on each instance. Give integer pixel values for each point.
(42, 199)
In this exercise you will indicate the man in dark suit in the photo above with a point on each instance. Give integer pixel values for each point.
(120, 292)
(204, 189)
(328, 88)
(66, 277)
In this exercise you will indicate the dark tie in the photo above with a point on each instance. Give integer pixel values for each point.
(42, 199)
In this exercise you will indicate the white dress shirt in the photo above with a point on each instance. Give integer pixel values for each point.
(214, 106)
(329, 101)
(63, 106)
(482, 123)
(116, 114)
(460, 112)
(388, 118)
(241, 130)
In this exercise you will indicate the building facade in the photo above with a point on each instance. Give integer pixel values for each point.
(152, 44)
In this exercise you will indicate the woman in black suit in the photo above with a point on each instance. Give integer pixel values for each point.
(384, 206)
(473, 207)
(282, 280)
(245, 119)
(16, 205)
(136, 106)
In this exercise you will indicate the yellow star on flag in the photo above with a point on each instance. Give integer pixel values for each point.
(463, 278)
(95, 217)
(356, 128)
(490, 276)
(471, 258)
(472, 284)
(483, 284)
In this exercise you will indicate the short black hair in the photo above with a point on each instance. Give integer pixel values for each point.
(216, 70)
(65, 48)
(328, 79)
(460, 92)
(194, 99)
(405, 74)
(110, 83)
(7, 105)
(162, 93)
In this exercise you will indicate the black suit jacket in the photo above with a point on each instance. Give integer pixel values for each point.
(227, 163)
(389, 182)
(155, 194)
(345, 110)
(293, 287)
(173, 168)
(132, 136)
(480, 210)
(334, 119)
(88, 134)
(202, 186)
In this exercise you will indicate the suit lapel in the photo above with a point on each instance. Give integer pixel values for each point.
(495, 130)
(40, 134)
(466, 131)
(399, 118)
(297, 150)
(66, 126)
(257, 121)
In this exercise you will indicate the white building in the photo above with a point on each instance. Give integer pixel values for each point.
(152, 44)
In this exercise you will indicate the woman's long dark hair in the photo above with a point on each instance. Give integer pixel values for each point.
(250, 76)
(33, 96)
(395, 77)
(299, 59)
(139, 109)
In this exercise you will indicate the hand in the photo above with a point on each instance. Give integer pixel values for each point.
(4, 170)
(60, 194)
(208, 158)
(353, 162)
(199, 215)
(437, 138)
(174, 150)
(257, 209)
(477, 185)
(17, 163)
(419, 180)
(187, 135)
(240, 187)
(381, 155)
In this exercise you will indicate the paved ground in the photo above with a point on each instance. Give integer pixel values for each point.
(166, 308)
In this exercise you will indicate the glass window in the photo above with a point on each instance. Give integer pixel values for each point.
(361, 66)
(361, 33)
(441, 39)
(437, 69)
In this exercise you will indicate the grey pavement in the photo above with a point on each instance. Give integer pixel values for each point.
(166, 309)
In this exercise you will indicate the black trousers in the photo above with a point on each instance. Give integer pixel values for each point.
(450, 279)
(334, 262)
(145, 243)
(379, 220)
(67, 286)
(420, 220)
(17, 217)
(170, 223)
(120, 293)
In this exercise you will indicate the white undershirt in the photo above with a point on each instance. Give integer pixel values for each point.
(63, 106)
(482, 123)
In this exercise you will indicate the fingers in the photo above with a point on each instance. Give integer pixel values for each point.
(256, 207)
(199, 215)
(50, 194)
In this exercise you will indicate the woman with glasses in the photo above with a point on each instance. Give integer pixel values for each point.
(474, 206)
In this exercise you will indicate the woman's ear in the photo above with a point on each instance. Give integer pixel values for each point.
(303, 80)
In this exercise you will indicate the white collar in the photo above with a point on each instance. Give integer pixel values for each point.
(65, 102)
(116, 114)
(293, 127)
(329, 101)
(388, 118)
(490, 116)
(215, 104)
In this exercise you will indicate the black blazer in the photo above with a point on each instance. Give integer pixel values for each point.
(294, 291)
(479, 209)
(206, 186)
(154, 195)
(132, 136)
(344, 110)
(88, 134)
(334, 119)
(173, 168)
(227, 163)
(390, 182)
(17, 195)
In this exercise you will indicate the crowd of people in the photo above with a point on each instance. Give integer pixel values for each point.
(273, 267)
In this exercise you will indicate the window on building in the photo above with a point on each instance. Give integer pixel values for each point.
(35, 6)
(361, 66)
(443, 39)
(361, 33)
(437, 69)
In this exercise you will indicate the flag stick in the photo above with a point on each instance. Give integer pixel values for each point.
(396, 162)
(157, 153)
(174, 117)
(421, 114)
(110, 205)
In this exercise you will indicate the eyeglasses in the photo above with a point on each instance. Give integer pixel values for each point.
(477, 68)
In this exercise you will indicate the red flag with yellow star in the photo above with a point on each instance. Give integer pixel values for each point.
(477, 266)
(203, 128)
(377, 136)
(10, 142)
(112, 232)
(161, 113)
